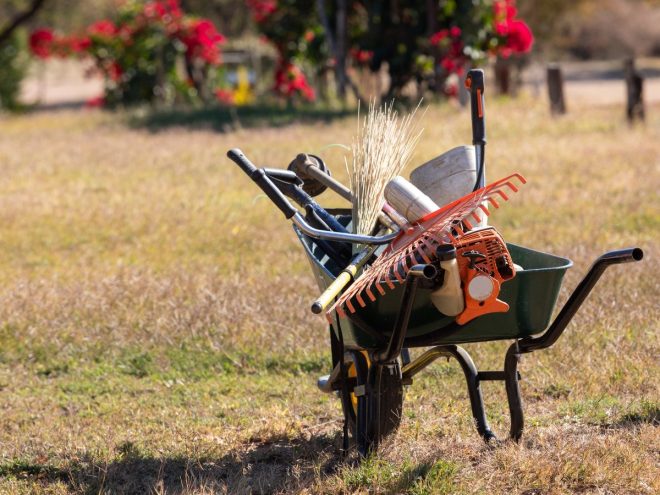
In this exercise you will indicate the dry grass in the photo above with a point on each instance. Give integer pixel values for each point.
(381, 149)
(155, 334)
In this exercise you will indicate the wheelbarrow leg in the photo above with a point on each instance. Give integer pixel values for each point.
(473, 379)
(474, 390)
(511, 378)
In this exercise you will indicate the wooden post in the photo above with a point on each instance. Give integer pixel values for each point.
(634, 86)
(556, 90)
(503, 75)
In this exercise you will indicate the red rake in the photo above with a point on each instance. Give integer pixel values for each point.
(421, 241)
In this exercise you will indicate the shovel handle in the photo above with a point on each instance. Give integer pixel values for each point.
(474, 82)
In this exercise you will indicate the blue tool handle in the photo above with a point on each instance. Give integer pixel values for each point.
(330, 220)
(259, 176)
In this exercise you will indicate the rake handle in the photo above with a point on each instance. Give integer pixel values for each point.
(259, 176)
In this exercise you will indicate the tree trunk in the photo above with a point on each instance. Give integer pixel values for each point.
(340, 55)
(20, 19)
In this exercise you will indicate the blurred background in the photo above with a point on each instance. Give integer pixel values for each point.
(233, 53)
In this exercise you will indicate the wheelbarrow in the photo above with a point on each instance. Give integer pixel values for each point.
(369, 348)
(371, 361)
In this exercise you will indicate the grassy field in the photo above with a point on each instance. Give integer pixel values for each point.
(155, 335)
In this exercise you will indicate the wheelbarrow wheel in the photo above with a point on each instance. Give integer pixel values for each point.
(372, 401)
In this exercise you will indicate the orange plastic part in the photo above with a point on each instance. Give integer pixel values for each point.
(483, 262)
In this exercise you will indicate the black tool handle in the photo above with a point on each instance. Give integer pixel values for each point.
(474, 82)
(259, 176)
(239, 158)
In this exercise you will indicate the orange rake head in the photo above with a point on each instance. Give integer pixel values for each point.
(419, 243)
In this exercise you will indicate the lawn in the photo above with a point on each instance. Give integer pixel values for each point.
(155, 332)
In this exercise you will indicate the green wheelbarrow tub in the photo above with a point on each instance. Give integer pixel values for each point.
(531, 296)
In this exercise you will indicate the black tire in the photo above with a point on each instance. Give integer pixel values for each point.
(380, 408)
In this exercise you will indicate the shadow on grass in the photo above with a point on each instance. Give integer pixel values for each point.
(647, 414)
(226, 120)
(274, 464)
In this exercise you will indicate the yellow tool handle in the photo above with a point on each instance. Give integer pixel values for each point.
(344, 278)
(334, 289)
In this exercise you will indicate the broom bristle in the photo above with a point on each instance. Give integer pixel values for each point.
(383, 146)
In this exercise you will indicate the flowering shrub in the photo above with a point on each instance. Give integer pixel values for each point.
(516, 34)
(293, 30)
(396, 33)
(493, 31)
(290, 80)
(138, 52)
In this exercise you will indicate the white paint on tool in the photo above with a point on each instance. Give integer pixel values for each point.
(481, 287)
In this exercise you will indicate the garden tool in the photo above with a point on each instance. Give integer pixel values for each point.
(444, 226)
(474, 82)
(412, 203)
(267, 179)
(448, 298)
(484, 263)
(447, 177)
(316, 177)
(290, 185)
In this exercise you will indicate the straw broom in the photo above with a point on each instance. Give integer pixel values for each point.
(381, 149)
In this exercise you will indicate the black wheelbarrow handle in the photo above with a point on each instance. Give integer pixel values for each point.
(578, 296)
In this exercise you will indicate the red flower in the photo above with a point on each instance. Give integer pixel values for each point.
(78, 45)
(104, 29)
(289, 80)
(262, 9)
(113, 70)
(224, 96)
(95, 102)
(451, 90)
(309, 36)
(505, 10)
(455, 32)
(41, 43)
(202, 40)
(168, 12)
(520, 38)
(502, 28)
(361, 56)
(448, 64)
(436, 38)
